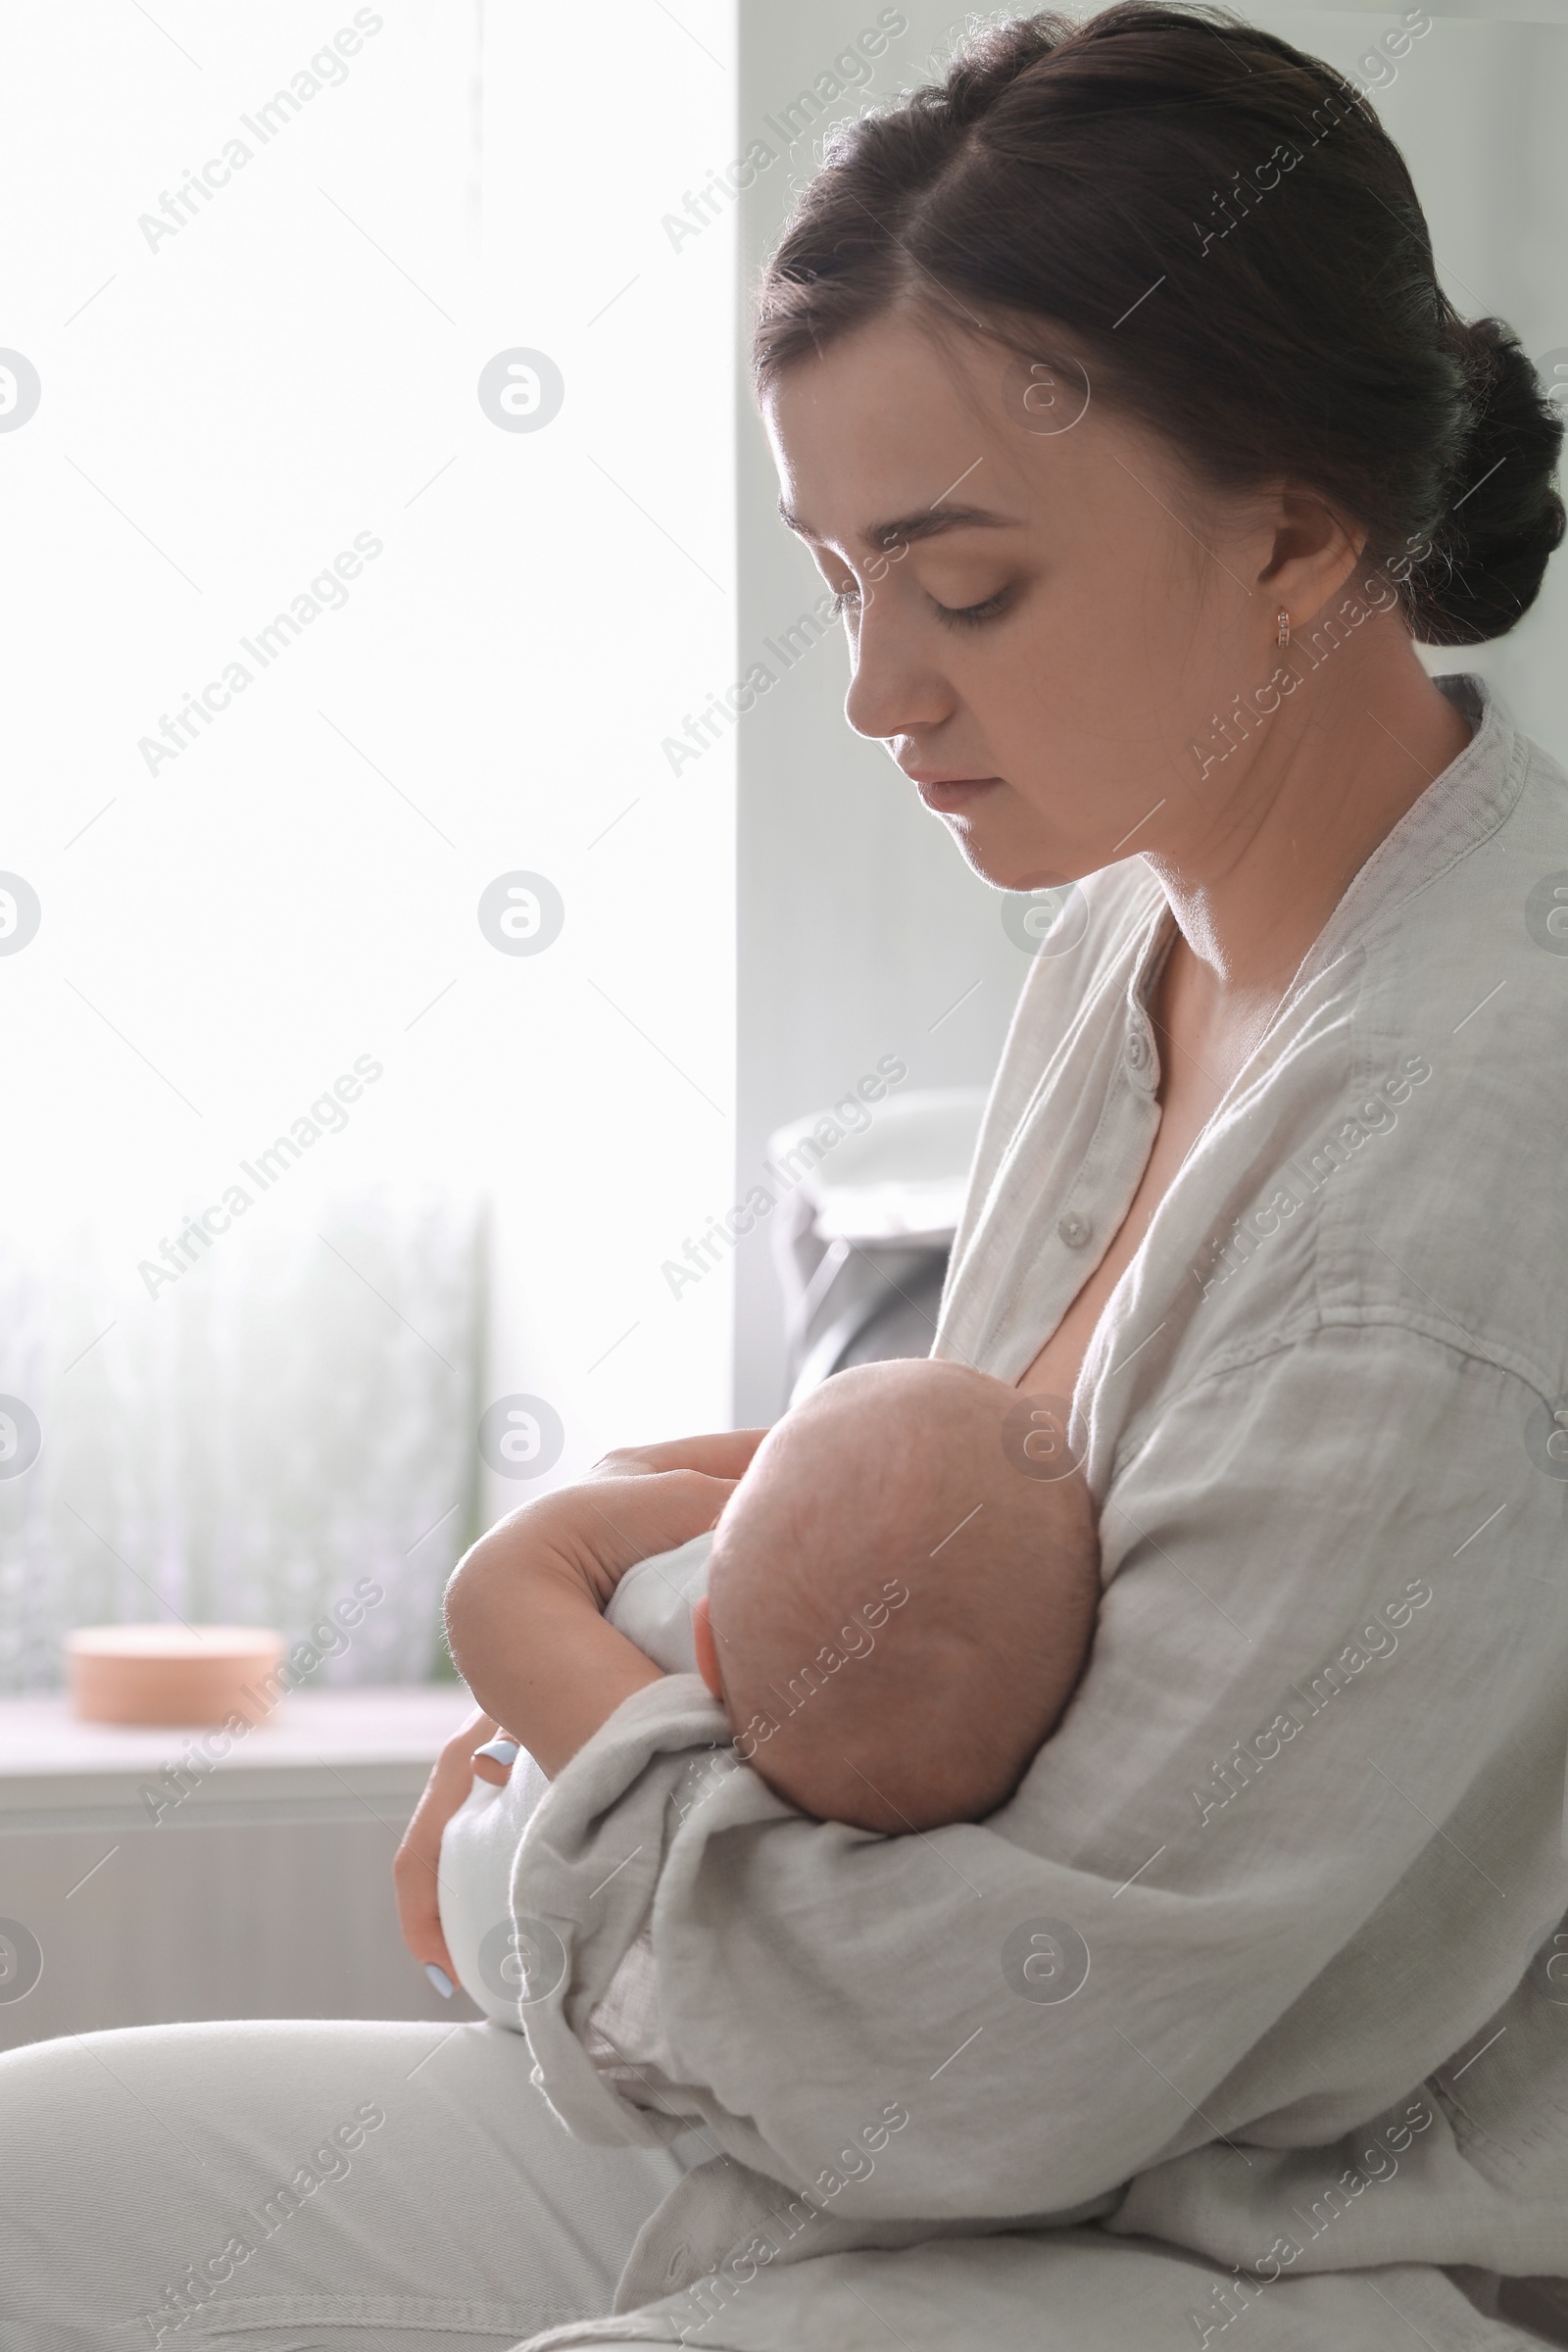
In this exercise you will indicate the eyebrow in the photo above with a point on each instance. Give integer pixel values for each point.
(928, 524)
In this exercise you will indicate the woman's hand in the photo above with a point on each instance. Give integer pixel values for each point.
(723, 1453)
(413, 1872)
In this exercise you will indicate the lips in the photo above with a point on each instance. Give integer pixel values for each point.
(948, 795)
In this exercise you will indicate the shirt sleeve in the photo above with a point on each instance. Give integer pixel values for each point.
(1325, 1686)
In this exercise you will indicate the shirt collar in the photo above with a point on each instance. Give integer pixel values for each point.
(1462, 805)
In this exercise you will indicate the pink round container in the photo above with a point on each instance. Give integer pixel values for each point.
(171, 1674)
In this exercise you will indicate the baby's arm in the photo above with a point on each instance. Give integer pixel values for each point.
(642, 1499)
(651, 1606)
(524, 1607)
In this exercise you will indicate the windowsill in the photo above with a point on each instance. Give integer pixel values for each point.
(319, 1747)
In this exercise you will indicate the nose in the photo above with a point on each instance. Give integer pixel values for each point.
(895, 688)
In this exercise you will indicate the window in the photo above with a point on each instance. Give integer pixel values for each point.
(329, 1124)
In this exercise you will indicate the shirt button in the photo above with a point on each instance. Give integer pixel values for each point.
(1137, 1050)
(1074, 1229)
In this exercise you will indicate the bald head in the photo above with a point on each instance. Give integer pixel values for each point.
(899, 1603)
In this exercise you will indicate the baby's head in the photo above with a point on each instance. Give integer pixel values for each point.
(899, 1605)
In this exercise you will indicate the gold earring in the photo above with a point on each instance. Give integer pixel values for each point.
(1285, 628)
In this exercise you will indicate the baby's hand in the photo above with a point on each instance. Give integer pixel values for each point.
(493, 1761)
(525, 1609)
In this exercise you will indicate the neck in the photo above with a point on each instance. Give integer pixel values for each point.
(1261, 858)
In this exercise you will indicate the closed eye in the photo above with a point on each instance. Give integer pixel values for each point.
(972, 615)
(847, 599)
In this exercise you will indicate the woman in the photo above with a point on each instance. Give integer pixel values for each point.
(1113, 390)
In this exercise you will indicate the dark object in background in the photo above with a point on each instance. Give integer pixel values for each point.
(862, 1241)
(903, 1322)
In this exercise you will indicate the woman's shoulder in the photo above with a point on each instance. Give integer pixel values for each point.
(1455, 955)
(1478, 868)
(1400, 1146)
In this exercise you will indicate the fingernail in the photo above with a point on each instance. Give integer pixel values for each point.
(439, 1978)
(505, 1751)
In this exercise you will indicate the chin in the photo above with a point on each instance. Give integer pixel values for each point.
(1006, 863)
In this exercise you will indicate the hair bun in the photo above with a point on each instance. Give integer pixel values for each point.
(1505, 517)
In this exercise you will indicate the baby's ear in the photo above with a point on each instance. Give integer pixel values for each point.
(706, 1649)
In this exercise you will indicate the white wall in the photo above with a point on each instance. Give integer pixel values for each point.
(859, 926)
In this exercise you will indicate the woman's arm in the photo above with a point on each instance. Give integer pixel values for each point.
(1316, 1759)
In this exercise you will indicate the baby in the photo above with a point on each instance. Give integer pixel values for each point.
(900, 1596)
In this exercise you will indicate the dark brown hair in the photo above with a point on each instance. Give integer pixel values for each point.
(1295, 326)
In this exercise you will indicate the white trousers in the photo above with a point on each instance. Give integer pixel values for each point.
(302, 2187)
(329, 2187)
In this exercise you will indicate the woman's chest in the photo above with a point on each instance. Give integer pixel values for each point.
(1189, 1095)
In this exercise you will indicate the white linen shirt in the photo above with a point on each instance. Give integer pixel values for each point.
(1280, 1903)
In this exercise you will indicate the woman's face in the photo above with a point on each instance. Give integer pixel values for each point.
(1029, 610)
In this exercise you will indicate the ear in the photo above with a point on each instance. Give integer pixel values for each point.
(1311, 558)
(706, 1649)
